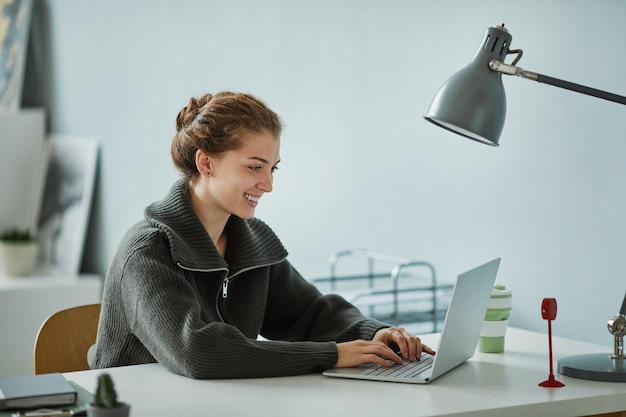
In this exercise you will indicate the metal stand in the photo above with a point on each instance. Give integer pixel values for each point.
(601, 366)
(548, 312)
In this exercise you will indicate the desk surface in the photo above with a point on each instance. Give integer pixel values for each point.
(487, 385)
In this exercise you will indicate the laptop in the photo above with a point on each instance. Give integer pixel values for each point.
(459, 334)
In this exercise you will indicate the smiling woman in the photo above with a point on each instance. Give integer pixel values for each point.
(234, 182)
(195, 283)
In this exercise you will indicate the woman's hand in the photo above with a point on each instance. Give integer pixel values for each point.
(358, 352)
(379, 349)
(410, 346)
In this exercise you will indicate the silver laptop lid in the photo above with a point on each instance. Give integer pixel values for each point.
(465, 316)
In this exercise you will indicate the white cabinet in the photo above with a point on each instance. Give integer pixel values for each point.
(25, 302)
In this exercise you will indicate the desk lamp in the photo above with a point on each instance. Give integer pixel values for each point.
(472, 104)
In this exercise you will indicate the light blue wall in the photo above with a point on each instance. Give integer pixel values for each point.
(361, 168)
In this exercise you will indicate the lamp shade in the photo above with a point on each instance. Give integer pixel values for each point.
(472, 102)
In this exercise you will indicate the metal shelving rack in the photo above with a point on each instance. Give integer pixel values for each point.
(399, 291)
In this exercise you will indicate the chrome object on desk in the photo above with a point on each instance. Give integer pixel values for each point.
(601, 366)
(617, 327)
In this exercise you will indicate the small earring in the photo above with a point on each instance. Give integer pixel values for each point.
(208, 173)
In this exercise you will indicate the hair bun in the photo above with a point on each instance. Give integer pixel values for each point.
(188, 114)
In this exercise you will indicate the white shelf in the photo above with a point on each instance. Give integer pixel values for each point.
(25, 302)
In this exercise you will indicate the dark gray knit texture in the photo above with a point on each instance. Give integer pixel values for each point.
(163, 302)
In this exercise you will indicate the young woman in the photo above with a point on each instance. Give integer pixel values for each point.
(195, 282)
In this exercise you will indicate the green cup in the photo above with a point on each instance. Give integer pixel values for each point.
(496, 320)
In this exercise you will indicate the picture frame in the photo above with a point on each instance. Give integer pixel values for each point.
(15, 17)
(66, 203)
(23, 157)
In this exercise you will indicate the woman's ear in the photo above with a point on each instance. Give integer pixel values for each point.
(204, 162)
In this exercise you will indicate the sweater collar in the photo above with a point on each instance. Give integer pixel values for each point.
(250, 242)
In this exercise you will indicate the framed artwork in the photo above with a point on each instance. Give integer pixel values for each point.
(15, 18)
(23, 156)
(66, 203)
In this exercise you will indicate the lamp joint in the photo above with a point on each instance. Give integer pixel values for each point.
(617, 327)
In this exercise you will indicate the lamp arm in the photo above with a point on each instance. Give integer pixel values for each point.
(513, 70)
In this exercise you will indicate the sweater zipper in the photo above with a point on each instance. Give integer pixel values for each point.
(227, 279)
(224, 284)
(241, 271)
(225, 287)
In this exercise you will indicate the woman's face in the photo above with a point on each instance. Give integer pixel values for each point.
(239, 178)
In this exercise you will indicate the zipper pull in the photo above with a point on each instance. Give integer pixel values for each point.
(225, 288)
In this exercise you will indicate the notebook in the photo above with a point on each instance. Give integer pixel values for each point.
(34, 391)
(459, 334)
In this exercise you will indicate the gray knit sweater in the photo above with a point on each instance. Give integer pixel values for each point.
(169, 297)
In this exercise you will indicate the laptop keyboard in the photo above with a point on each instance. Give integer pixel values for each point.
(406, 370)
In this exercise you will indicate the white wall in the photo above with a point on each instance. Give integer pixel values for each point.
(361, 168)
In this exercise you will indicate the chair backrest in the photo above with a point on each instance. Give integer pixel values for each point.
(64, 340)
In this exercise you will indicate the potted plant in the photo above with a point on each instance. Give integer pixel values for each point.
(18, 251)
(105, 402)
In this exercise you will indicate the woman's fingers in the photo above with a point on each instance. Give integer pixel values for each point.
(409, 345)
(358, 352)
(378, 349)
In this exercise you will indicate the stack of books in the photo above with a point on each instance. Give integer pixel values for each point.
(36, 391)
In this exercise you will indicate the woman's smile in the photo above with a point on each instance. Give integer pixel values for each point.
(252, 200)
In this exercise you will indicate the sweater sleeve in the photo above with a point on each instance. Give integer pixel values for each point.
(165, 314)
(296, 310)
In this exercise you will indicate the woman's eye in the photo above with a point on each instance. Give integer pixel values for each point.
(259, 168)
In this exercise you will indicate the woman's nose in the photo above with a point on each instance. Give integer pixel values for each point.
(267, 184)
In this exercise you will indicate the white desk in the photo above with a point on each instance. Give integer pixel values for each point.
(488, 385)
(25, 302)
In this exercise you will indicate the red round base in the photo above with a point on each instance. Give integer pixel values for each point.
(551, 383)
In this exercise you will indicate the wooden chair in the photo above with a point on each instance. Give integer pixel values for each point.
(65, 338)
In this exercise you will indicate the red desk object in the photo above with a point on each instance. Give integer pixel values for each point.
(548, 312)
